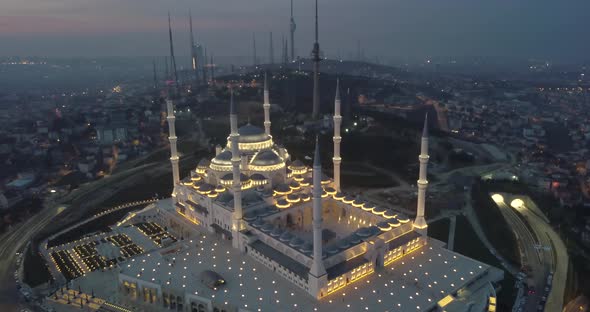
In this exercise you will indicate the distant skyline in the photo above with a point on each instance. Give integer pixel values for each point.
(408, 30)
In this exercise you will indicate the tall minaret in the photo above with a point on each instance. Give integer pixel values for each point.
(172, 92)
(172, 138)
(420, 223)
(266, 105)
(194, 60)
(234, 137)
(337, 138)
(271, 52)
(317, 266)
(292, 29)
(316, 69)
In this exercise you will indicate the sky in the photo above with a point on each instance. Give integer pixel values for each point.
(400, 29)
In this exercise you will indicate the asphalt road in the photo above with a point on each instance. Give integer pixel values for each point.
(555, 251)
(10, 243)
(531, 256)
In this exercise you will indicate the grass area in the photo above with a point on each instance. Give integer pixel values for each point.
(466, 243)
(439, 229)
(36, 272)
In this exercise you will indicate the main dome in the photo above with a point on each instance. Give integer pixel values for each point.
(252, 134)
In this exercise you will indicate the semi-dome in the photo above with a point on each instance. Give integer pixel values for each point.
(230, 177)
(224, 158)
(266, 158)
(204, 163)
(252, 134)
(257, 177)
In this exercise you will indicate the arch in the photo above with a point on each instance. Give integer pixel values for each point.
(201, 307)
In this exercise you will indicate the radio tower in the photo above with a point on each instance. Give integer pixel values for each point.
(293, 27)
(316, 69)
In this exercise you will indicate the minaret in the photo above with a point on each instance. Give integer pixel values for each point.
(234, 137)
(337, 138)
(420, 223)
(292, 28)
(317, 267)
(170, 117)
(194, 60)
(266, 105)
(172, 138)
(271, 52)
(316, 69)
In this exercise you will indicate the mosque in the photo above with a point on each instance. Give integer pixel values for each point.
(260, 231)
(290, 226)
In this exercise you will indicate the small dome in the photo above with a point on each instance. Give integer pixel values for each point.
(267, 228)
(258, 223)
(266, 158)
(257, 177)
(332, 250)
(306, 248)
(252, 134)
(379, 210)
(296, 165)
(389, 214)
(296, 242)
(394, 222)
(276, 232)
(282, 188)
(294, 185)
(343, 244)
(363, 232)
(249, 217)
(285, 237)
(403, 218)
(206, 187)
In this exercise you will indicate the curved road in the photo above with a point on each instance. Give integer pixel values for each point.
(12, 242)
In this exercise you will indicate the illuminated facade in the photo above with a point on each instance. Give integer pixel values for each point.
(275, 205)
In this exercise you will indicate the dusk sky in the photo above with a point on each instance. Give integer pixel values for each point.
(403, 29)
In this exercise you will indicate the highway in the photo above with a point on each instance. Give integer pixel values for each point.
(12, 242)
(541, 248)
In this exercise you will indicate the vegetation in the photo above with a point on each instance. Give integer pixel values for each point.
(493, 223)
(36, 272)
(465, 244)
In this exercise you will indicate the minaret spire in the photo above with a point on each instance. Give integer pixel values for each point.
(337, 138)
(266, 105)
(292, 29)
(317, 267)
(235, 160)
(420, 223)
(172, 138)
(316, 68)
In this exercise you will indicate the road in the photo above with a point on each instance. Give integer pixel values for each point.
(12, 242)
(556, 252)
(536, 259)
